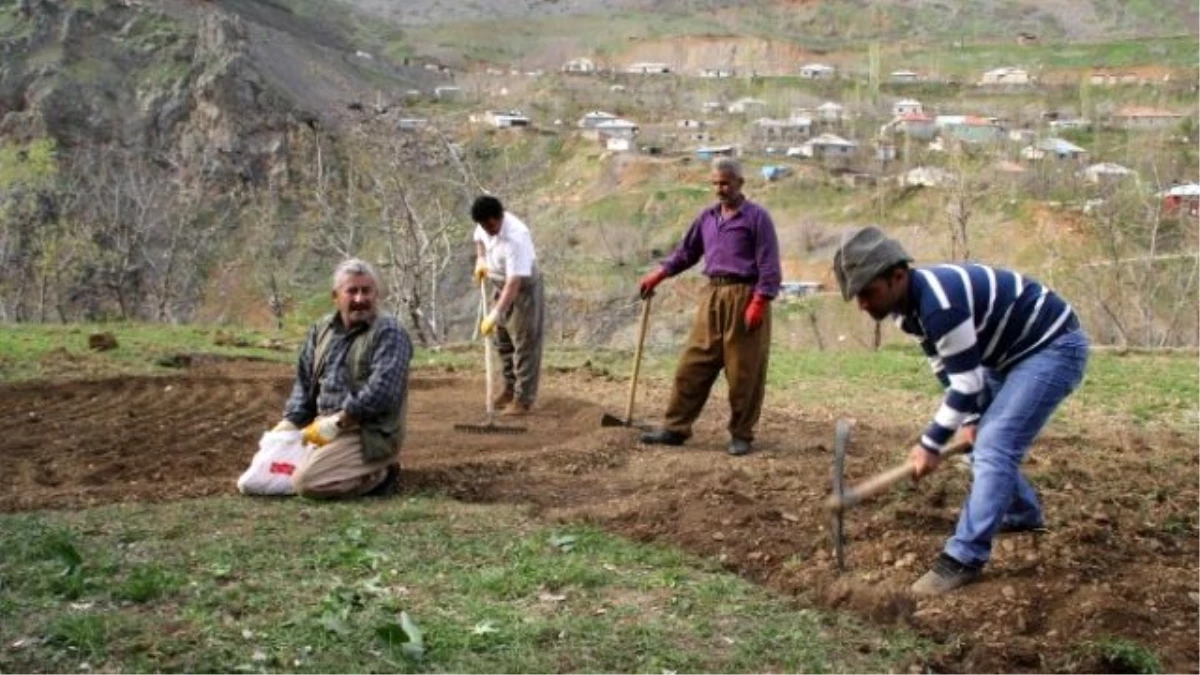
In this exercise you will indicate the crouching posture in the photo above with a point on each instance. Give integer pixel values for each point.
(350, 393)
(1007, 349)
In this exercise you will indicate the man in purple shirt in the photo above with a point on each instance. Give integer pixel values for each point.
(732, 327)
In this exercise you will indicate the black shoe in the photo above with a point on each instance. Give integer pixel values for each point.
(390, 485)
(947, 574)
(739, 447)
(663, 437)
(1012, 528)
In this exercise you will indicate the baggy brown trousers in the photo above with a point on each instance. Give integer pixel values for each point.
(719, 339)
(519, 337)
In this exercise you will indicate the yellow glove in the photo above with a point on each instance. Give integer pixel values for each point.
(285, 425)
(488, 325)
(481, 270)
(322, 430)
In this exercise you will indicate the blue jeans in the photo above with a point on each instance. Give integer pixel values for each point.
(1019, 402)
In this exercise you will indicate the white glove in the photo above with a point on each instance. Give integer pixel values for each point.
(322, 430)
(285, 425)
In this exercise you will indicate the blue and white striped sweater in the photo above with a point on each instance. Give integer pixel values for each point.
(972, 317)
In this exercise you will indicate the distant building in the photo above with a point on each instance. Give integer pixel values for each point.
(711, 151)
(830, 112)
(579, 65)
(907, 106)
(747, 105)
(1140, 117)
(1054, 148)
(1106, 172)
(825, 146)
(616, 128)
(917, 126)
(648, 68)
(1181, 199)
(926, 176)
(591, 119)
(903, 76)
(1112, 79)
(817, 71)
(969, 129)
(1006, 76)
(718, 72)
(793, 130)
(618, 144)
(446, 93)
(502, 119)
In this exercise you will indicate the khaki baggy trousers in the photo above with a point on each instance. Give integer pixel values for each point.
(719, 339)
(519, 337)
(338, 469)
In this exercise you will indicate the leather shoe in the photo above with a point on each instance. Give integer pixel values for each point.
(739, 447)
(663, 437)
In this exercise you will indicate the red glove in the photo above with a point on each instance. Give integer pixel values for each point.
(648, 282)
(756, 311)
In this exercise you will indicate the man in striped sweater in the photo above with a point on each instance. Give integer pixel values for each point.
(1007, 350)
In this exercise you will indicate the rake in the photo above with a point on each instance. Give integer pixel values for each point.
(489, 427)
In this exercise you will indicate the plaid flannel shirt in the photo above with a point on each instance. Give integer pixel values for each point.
(383, 391)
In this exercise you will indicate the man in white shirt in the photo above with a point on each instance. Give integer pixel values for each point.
(505, 257)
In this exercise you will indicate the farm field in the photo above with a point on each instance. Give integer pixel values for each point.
(121, 528)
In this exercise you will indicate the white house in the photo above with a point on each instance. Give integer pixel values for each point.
(825, 146)
(591, 119)
(691, 124)
(1106, 172)
(830, 112)
(1006, 76)
(502, 119)
(907, 106)
(900, 76)
(746, 105)
(616, 128)
(618, 144)
(718, 72)
(1053, 147)
(579, 65)
(817, 71)
(447, 93)
(792, 130)
(926, 176)
(917, 126)
(712, 106)
(648, 68)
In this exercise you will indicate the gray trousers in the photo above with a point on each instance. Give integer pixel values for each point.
(519, 338)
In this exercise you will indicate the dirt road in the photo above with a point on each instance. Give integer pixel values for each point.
(1120, 562)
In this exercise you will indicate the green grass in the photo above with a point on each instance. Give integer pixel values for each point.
(271, 586)
(1123, 656)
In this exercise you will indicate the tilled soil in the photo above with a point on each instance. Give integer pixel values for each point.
(1120, 561)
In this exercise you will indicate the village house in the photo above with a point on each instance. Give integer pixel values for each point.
(917, 126)
(618, 128)
(906, 106)
(712, 106)
(904, 76)
(825, 146)
(618, 144)
(926, 176)
(691, 124)
(718, 72)
(1112, 79)
(447, 93)
(502, 119)
(580, 65)
(817, 71)
(968, 129)
(1106, 172)
(747, 106)
(1054, 148)
(648, 68)
(1181, 199)
(1006, 76)
(793, 130)
(591, 119)
(1141, 117)
(830, 112)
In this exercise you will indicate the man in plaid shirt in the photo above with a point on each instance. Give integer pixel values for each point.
(350, 393)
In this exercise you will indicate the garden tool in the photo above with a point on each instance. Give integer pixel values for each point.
(608, 420)
(490, 426)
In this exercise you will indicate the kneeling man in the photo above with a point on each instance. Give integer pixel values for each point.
(350, 393)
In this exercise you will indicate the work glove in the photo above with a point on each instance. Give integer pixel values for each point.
(756, 311)
(285, 425)
(488, 325)
(648, 282)
(481, 270)
(322, 430)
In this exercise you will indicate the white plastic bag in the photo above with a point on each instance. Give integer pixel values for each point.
(279, 454)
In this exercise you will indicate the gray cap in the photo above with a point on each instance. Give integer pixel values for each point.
(863, 255)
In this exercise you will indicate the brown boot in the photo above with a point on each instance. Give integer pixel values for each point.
(503, 399)
(516, 409)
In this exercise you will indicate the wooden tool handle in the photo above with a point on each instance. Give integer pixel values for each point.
(487, 351)
(882, 481)
(637, 361)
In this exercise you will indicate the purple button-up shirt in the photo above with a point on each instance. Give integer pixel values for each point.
(744, 245)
